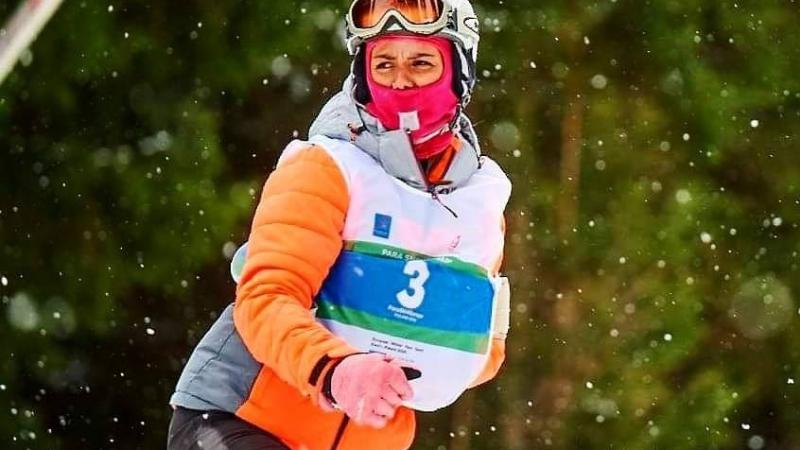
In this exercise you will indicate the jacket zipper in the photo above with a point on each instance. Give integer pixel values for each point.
(340, 433)
(431, 189)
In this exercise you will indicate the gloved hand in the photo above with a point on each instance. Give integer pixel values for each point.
(369, 388)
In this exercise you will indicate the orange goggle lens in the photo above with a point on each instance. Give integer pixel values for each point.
(368, 13)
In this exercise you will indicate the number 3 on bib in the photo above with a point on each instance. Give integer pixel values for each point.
(414, 294)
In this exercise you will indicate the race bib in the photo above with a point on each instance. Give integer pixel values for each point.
(433, 313)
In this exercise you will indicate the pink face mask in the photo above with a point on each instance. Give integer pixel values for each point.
(427, 111)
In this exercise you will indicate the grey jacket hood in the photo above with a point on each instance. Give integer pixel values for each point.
(342, 118)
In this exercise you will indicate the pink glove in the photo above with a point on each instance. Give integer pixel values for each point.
(369, 388)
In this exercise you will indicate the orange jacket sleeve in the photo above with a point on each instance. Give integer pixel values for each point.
(294, 241)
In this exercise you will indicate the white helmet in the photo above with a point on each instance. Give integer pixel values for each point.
(452, 19)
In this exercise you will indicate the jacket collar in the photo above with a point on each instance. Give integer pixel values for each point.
(342, 118)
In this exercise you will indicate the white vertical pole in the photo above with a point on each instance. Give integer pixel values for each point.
(22, 29)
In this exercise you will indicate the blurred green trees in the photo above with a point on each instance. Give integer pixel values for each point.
(652, 240)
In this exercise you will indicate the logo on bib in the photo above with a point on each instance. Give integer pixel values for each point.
(383, 226)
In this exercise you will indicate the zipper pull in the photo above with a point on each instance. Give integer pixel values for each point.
(355, 131)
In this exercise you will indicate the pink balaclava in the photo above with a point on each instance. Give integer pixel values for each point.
(427, 111)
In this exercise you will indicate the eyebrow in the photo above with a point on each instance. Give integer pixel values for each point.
(393, 58)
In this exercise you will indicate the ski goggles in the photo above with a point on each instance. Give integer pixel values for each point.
(368, 18)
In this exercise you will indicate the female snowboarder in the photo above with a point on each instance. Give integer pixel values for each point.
(370, 286)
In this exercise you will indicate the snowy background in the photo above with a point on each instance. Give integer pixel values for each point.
(653, 231)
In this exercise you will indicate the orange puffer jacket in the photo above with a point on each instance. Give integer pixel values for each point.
(295, 239)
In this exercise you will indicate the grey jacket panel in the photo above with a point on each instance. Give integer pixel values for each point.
(220, 372)
(342, 118)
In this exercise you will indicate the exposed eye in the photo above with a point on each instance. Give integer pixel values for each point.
(383, 66)
(422, 63)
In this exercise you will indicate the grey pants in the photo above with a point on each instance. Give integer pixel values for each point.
(215, 430)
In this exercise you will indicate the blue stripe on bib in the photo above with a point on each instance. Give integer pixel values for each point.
(425, 293)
